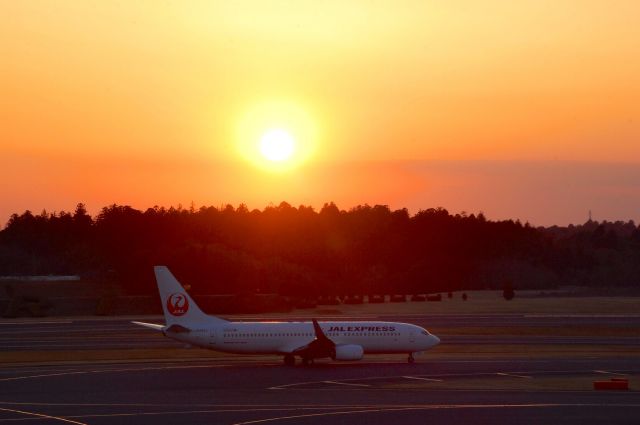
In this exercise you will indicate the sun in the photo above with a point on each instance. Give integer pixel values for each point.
(276, 136)
(277, 145)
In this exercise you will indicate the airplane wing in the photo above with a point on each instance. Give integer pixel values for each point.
(321, 346)
(150, 325)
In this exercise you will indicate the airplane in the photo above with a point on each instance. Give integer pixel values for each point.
(342, 341)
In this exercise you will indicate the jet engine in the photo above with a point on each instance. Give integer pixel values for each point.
(348, 352)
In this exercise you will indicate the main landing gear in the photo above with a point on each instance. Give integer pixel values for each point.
(289, 360)
(410, 359)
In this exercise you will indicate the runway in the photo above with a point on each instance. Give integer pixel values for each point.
(495, 387)
(115, 333)
(258, 392)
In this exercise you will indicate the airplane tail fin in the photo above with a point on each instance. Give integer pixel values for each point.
(179, 308)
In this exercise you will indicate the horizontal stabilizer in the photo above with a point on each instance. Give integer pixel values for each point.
(150, 325)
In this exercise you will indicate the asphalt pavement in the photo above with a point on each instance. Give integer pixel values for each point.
(258, 392)
(230, 389)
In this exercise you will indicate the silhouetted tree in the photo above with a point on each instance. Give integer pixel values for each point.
(298, 251)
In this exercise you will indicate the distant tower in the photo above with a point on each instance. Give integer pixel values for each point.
(589, 216)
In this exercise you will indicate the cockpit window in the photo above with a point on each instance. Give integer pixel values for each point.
(425, 333)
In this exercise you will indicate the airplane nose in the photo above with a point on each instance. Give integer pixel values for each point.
(434, 340)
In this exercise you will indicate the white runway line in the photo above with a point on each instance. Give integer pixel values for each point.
(423, 379)
(176, 412)
(514, 375)
(40, 416)
(43, 322)
(346, 383)
(430, 407)
(435, 376)
(86, 372)
(65, 330)
(610, 373)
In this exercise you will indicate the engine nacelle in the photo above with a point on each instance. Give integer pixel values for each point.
(348, 352)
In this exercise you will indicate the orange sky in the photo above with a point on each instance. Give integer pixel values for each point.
(476, 106)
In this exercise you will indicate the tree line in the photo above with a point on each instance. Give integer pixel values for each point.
(302, 252)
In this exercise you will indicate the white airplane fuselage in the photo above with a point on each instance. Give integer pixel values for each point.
(284, 337)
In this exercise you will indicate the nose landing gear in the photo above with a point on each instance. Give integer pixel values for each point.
(411, 359)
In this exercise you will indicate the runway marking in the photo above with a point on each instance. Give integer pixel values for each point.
(72, 329)
(371, 378)
(32, 370)
(374, 378)
(175, 412)
(423, 379)
(268, 408)
(437, 377)
(43, 322)
(513, 375)
(28, 336)
(610, 373)
(427, 407)
(104, 346)
(210, 405)
(39, 416)
(346, 383)
(285, 386)
(86, 372)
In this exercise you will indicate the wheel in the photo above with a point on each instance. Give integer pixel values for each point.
(411, 359)
(289, 360)
(306, 361)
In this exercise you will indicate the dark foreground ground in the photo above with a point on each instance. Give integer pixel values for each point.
(229, 392)
(468, 387)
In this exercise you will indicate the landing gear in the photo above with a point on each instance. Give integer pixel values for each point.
(307, 361)
(289, 360)
(411, 359)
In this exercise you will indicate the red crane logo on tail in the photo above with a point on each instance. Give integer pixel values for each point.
(177, 304)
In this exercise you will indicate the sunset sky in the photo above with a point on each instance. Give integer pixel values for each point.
(527, 110)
